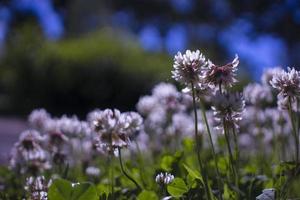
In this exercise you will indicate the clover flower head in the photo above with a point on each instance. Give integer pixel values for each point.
(228, 107)
(115, 128)
(223, 75)
(37, 187)
(38, 118)
(287, 83)
(92, 171)
(164, 178)
(182, 125)
(257, 94)
(188, 66)
(146, 104)
(28, 155)
(268, 75)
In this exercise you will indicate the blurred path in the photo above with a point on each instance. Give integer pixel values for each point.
(10, 128)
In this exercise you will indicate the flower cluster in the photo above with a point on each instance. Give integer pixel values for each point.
(164, 178)
(228, 109)
(167, 115)
(114, 128)
(37, 187)
(288, 86)
(221, 75)
(188, 66)
(257, 94)
(28, 155)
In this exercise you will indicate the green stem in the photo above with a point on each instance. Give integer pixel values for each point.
(213, 149)
(296, 138)
(237, 157)
(232, 164)
(111, 176)
(125, 173)
(198, 144)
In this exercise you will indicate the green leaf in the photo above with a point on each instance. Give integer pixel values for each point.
(146, 195)
(60, 189)
(84, 191)
(166, 163)
(228, 193)
(193, 173)
(177, 187)
(103, 189)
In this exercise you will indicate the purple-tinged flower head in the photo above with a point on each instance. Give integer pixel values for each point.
(203, 91)
(115, 128)
(38, 118)
(182, 125)
(268, 74)
(27, 155)
(221, 75)
(92, 171)
(257, 94)
(287, 83)
(167, 95)
(37, 187)
(146, 104)
(72, 127)
(228, 109)
(188, 67)
(164, 178)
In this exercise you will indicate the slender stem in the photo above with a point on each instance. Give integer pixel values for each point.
(213, 149)
(229, 148)
(232, 163)
(237, 156)
(198, 145)
(125, 173)
(296, 138)
(111, 176)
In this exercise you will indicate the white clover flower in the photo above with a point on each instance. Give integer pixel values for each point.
(188, 67)
(287, 83)
(182, 125)
(92, 171)
(228, 107)
(114, 128)
(257, 94)
(37, 187)
(223, 75)
(164, 178)
(146, 104)
(38, 118)
(268, 75)
(28, 155)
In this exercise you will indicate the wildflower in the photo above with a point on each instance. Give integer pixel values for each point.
(257, 94)
(146, 104)
(182, 124)
(38, 118)
(287, 83)
(114, 128)
(92, 171)
(37, 187)
(268, 75)
(221, 75)
(164, 178)
(28, 155)
(203, 91)
(188, 67)
(228, 107)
